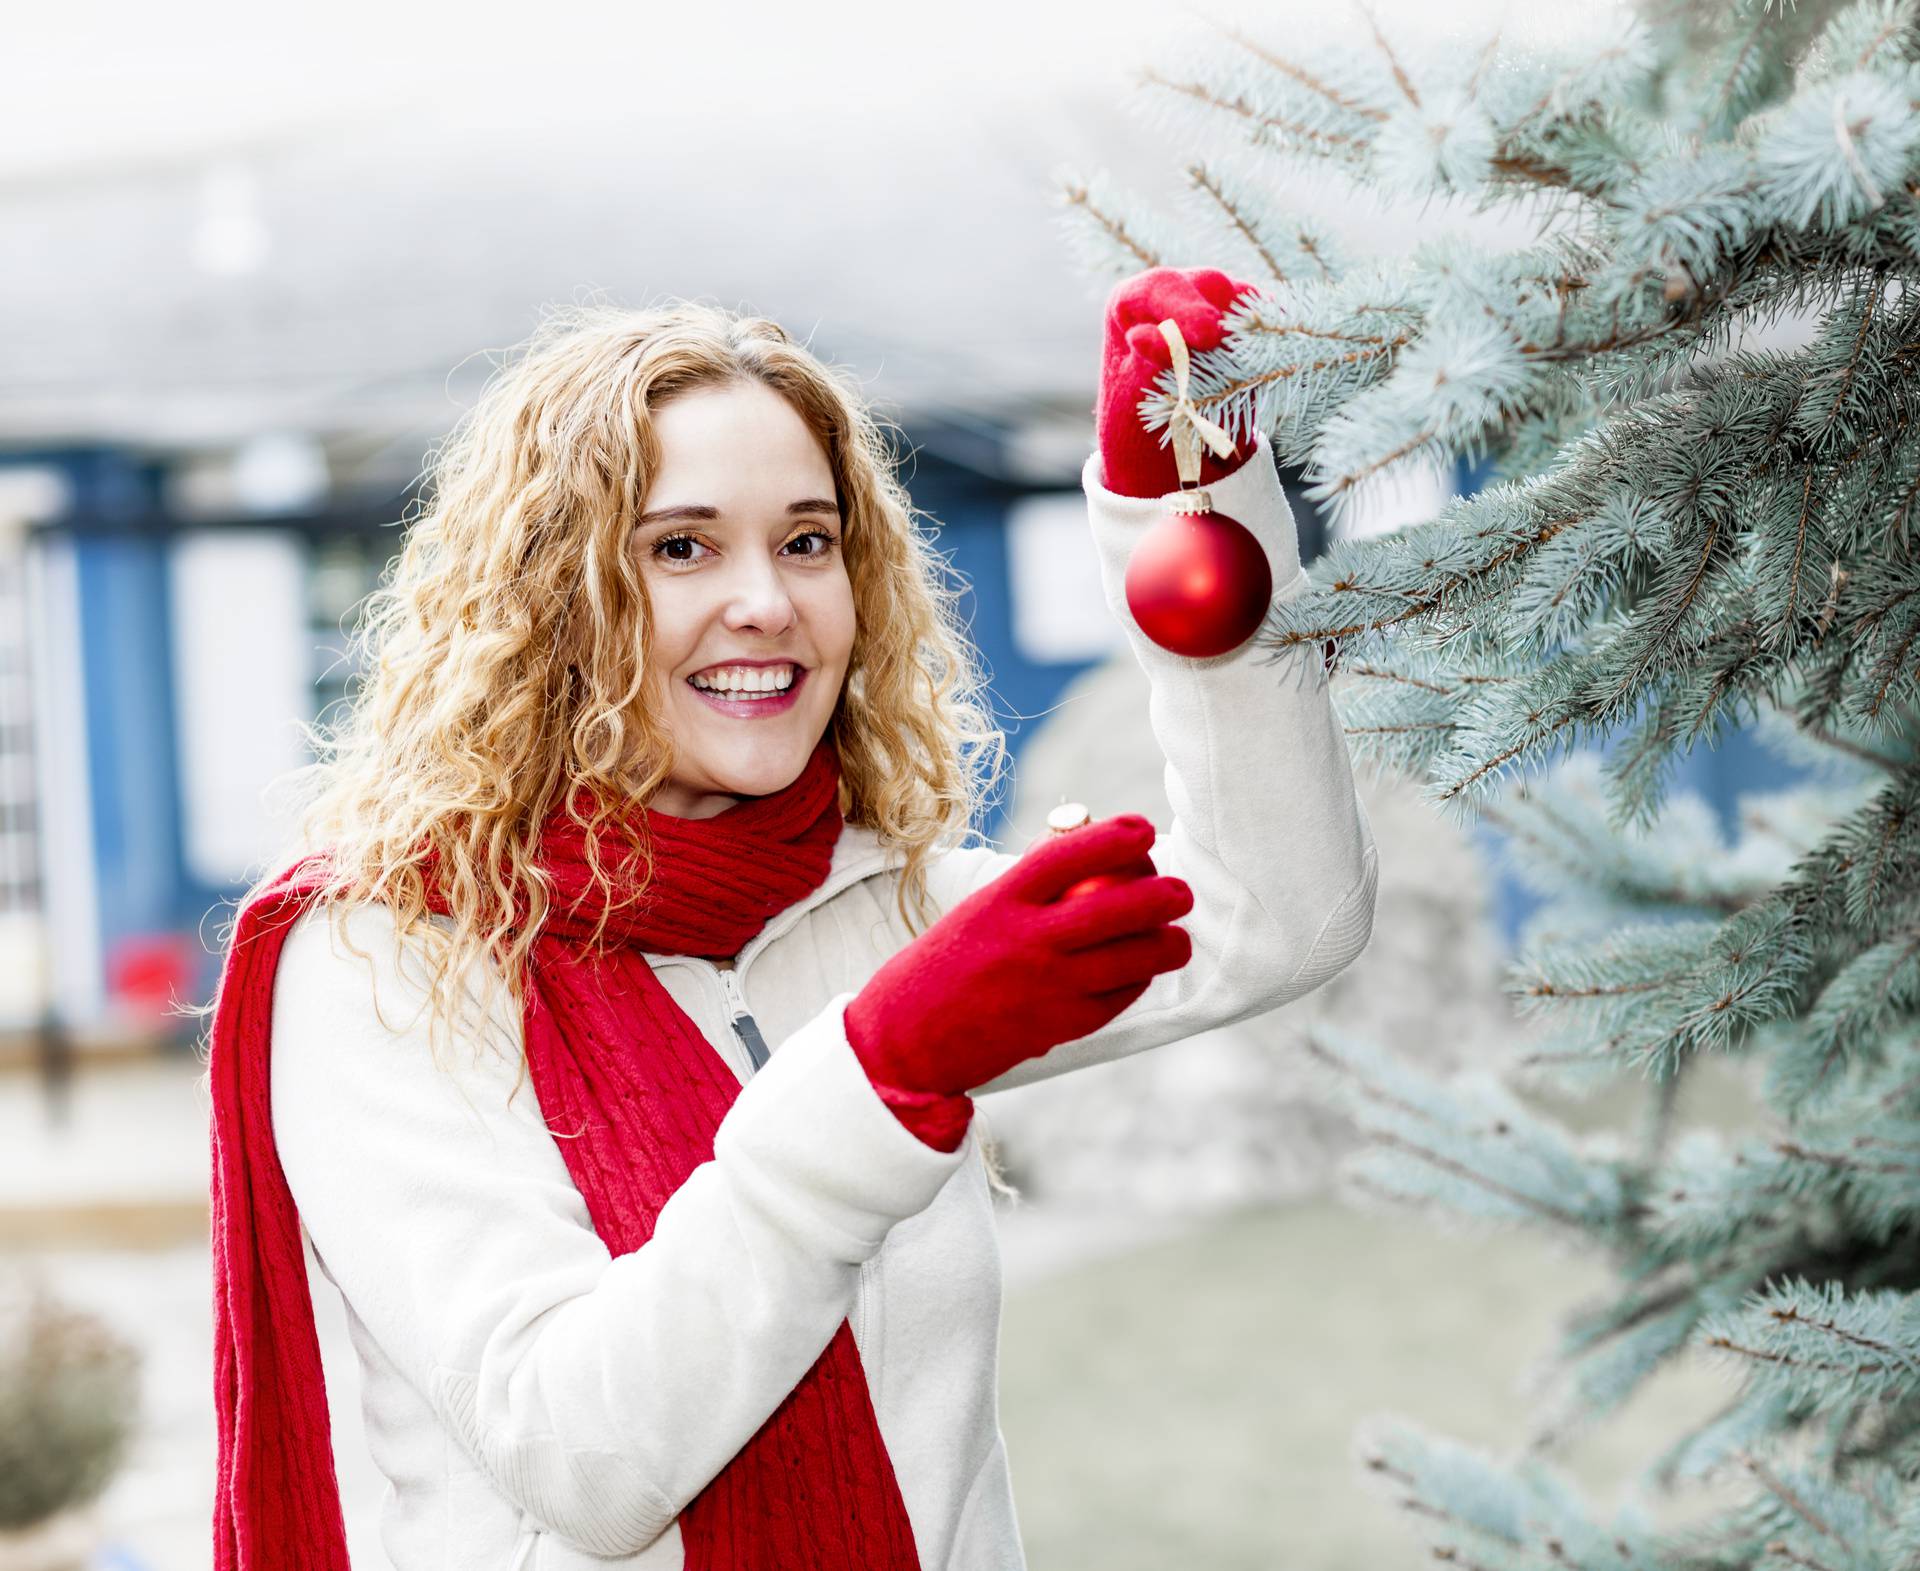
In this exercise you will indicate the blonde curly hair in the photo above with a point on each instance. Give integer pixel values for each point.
(497, 657)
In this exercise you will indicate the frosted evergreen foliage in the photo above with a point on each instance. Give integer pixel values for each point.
(1695, 385)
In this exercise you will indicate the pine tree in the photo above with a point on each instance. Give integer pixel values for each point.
(1692, 389)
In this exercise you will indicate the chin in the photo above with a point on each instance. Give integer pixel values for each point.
(770, 769)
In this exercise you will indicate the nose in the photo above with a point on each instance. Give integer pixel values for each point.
(757, 597)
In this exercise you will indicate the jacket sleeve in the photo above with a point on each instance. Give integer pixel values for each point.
(600, 1394)
(1267, 826)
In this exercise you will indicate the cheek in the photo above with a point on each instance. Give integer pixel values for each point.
(673, 631)
(832, 614)
(673, 606)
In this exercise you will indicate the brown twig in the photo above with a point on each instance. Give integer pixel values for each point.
(1305, 77)
(1400, 77)
(1240, 107)
(1079, 197)
(1202, 181)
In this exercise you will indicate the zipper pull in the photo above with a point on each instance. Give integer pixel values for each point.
(744, 1025)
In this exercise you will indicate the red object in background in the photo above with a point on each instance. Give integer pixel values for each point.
(152, 974)
(1199, 583)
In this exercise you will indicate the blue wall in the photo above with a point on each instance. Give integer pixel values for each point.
(122, 567)
(133, 772)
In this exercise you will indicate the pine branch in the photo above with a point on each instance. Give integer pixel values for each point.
(1202, 181)
(1844, 1162)
(1240, 108)
(1114, 227)
(1854, 749)
(1796, 1333)
(1400, 77)
(1519, 1199)
(1304, 77)
(1420, 602)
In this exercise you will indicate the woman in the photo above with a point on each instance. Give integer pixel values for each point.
(654, 796)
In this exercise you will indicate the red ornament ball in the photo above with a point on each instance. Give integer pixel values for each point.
(1199, 584)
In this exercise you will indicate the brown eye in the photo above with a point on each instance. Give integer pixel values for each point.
(660, 548)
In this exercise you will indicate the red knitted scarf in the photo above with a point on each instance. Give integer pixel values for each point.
(611, 1055)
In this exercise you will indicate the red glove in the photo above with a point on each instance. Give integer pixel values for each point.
(1136, 355)
(1013, 971)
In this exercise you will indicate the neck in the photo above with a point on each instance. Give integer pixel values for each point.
(678, 802)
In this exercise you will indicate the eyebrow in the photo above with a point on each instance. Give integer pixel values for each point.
(701, 510)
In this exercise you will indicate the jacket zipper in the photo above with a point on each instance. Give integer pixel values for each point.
(748, 1030)
(744, 1025)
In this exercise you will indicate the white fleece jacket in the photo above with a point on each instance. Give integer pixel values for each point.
(535, 1402)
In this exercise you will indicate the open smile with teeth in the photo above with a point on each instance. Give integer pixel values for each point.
(745, 681)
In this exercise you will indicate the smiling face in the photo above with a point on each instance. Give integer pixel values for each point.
(740, 547)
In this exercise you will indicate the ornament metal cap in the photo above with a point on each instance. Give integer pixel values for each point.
(1068, 816)
(1185, 503)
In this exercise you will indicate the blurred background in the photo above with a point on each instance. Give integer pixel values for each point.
(253, 264)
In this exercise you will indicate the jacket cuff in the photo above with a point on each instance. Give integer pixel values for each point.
(1251, 494)
(939, 1119)
(810, 1141)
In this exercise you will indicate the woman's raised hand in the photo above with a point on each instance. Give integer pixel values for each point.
(1014, 970)
(1134, 460)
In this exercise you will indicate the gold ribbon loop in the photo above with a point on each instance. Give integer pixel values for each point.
(1190, 427)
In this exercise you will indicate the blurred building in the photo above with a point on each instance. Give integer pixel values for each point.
(180, 618)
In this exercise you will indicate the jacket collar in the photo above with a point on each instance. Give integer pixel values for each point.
(857, 854)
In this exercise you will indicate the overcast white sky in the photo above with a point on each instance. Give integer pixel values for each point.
(218, 220)
(119, 83)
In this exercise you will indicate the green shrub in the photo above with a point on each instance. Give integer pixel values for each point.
(69, 1397)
